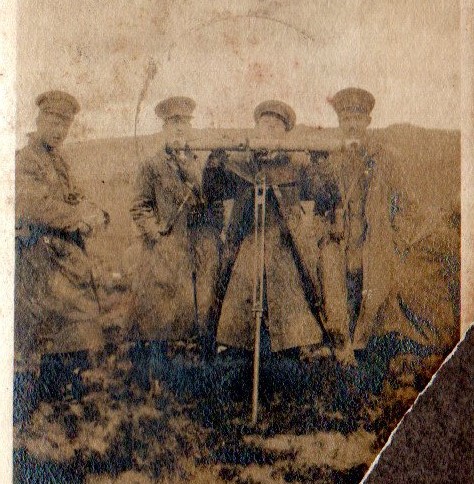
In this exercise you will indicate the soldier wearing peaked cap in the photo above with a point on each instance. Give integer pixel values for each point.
(353, 100)
(176, 113)
(56, 303)
(58, 102)
(412, 311)
(267, 110)
(175, 106)
(373, 221)
(179, 228)
(341, 183)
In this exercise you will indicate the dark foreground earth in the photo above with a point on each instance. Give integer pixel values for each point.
(318, 422)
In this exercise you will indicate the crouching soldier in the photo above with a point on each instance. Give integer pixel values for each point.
(56, 303)
(172, 289)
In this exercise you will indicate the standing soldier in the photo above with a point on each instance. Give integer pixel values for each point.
(180, 234)
(376, 235)
(393, 251)
(341, 183)
(56, 305)
(290, 320)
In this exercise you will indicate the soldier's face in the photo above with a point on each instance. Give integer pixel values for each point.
(354, 125)
(177, 125)
(52, 128)
(273, 125)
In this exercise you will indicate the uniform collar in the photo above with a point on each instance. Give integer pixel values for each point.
(40, 145)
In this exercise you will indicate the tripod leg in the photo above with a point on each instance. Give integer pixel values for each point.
(256, 369)
(259, 221)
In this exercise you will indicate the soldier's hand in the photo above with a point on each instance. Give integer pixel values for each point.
(96, 219)
(84, 229)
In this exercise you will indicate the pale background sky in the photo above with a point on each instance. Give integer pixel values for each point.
(229, 56)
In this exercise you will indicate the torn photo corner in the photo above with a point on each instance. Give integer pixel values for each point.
(237, 234)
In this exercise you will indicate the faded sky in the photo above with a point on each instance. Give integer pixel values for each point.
(231, 56)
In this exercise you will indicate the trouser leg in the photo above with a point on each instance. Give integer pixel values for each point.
(333, 275)
(209, 339)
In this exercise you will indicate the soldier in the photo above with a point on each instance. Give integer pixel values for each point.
(341, 183)
(180, 245)
(393, 218)
(56, 305)
(176, 113)
(290, 320)
(375, 226)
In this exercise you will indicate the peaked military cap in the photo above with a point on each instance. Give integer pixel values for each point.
(276, 108)
(353, 99)
(175, 106)
(58, 102)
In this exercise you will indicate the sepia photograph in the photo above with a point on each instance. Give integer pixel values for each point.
(237, 235)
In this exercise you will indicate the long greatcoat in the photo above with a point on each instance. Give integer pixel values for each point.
(173, 286)
(56, 304)
(358, 234)
(289, 259)
(406, 286)
(423, 304)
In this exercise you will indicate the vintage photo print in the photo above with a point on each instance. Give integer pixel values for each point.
(237, 234)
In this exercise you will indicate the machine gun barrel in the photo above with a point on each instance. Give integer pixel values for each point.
(322, 142)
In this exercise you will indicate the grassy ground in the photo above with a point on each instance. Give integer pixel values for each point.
(318, 422)
(315, 423)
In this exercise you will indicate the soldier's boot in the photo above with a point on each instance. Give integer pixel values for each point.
(312, 353)
(343, 349)
(25, 396)
(345, 354)
(337, 302)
